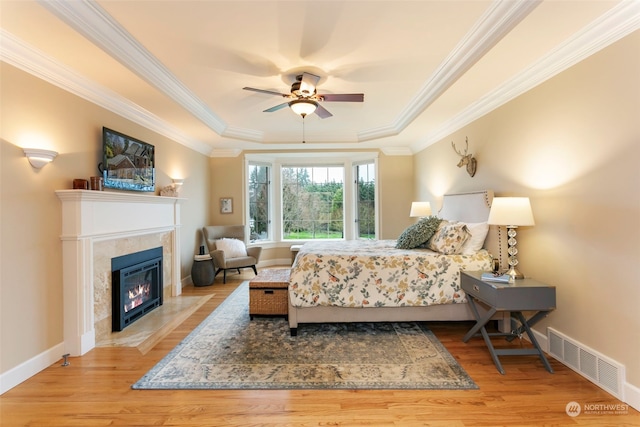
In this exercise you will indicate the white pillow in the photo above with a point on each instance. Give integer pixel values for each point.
(478, 232)
(232, 248)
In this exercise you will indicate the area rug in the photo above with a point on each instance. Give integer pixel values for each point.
(230, 351)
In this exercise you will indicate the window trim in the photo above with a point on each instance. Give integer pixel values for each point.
(347, 160)
(270, 216)
(376, 197)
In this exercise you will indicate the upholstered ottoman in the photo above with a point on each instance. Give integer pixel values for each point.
(268, 292)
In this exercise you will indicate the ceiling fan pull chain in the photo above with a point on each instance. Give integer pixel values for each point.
(303, 141)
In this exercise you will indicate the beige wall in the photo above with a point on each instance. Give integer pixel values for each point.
(396, 191)
(572, 146)
(395, 175)
(227, 178)
(30, 212)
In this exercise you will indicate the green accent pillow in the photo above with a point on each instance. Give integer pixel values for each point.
(419, 233)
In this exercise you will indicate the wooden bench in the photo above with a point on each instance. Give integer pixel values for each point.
(269, 292)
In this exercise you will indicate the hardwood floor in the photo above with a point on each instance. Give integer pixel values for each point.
(95, 390)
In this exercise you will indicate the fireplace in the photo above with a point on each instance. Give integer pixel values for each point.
(136, 286)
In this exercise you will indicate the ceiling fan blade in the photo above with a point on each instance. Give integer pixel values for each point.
(322, 112)
(270, 92)
(276, 108)
(343, 97)
(308, 84)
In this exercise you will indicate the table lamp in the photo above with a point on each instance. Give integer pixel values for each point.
(511, 212)
(420, 209)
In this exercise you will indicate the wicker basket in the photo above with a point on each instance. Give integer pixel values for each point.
(268, 292)
(268, 301)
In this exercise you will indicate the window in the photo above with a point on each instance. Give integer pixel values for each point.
(312, 202)
(365, 201)
(307, 197)
(258, 190)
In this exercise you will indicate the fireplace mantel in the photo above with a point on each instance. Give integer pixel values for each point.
(95, 216)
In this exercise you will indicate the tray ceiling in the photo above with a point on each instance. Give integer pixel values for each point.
(426, 68)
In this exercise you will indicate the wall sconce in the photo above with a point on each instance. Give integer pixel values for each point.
(420, 209)
(511, 212)
(39, 157)
(177, 184)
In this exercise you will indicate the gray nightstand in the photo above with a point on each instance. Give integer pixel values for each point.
(523, 295)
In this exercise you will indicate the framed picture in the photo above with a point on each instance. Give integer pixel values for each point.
(226, 205)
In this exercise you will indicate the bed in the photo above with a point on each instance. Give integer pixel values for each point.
(373, 281)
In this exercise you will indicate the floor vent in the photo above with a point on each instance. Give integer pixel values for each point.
(597, 368)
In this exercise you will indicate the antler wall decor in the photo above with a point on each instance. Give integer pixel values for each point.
(466, 159)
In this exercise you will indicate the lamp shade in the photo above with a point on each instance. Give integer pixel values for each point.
(420, 209)
(303, 107)
(514, 211)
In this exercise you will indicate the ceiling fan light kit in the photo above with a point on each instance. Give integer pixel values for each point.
(304, 97)
(303, 107)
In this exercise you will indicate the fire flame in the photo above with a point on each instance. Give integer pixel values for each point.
(137, 295)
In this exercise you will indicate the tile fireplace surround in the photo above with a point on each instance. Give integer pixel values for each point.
(100, 225)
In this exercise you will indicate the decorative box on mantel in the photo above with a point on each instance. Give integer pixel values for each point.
(90, 217)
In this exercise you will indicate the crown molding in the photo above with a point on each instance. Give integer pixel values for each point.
(494, 24)
(619, 22)
(222, 152)
(19, 54)
(244, 134)
(397, 151)
(94, 23)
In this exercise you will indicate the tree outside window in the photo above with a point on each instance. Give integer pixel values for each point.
(312, 202)
(366, 196)
(259, 182)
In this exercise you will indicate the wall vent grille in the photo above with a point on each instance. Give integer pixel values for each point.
(608, 375)
(597, 368)
(589, 364)
(571, 352)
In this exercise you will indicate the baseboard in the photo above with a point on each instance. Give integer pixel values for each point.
(26, 370)
(632, 395)
(186, 281)
(274, 262)
(542, 340)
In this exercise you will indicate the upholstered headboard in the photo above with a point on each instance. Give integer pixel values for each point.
(475, 207)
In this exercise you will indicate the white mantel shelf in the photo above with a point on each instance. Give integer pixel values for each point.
(112, 196)
(92, 216)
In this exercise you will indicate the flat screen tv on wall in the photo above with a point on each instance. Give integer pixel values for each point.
(127, 163)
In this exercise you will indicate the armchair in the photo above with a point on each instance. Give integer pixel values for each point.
(248, 257)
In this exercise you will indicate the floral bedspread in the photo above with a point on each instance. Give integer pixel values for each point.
(373, 273)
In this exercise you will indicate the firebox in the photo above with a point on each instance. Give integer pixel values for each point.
(137, 286)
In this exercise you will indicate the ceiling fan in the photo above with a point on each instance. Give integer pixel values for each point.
(305, 98)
